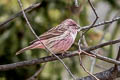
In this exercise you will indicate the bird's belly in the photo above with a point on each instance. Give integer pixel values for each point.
(57, 45)
(62, 45)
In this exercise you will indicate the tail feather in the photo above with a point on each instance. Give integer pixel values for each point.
(33, 46)
(24, 49)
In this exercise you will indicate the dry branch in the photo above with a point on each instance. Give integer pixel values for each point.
(47, 49)
(96, 17)
(101, 23)
(30, 8)
(34, 6)
(34, 77)
(105, 75)
(110, 74)
(67, 55)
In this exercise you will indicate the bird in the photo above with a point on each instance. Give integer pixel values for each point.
(58, 39)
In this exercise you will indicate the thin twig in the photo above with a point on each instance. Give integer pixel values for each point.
(118, 55)
(101, 23)
(30, 8)
(94, 13)
(110, 74)
(104, 44)
(85, 68)
(104, 75)
(80, 51)
(94, 59)
(97, 51)
(33, 77)
(93, 9)
(6, 67)
(95, 16)
(29, 25)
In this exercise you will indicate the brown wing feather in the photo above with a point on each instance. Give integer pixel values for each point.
(55, 31)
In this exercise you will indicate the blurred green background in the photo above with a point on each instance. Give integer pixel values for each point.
(16, 35)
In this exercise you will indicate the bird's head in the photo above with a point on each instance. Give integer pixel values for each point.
(71, 24)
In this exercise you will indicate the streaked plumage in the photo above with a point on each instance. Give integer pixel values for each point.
(58, 39)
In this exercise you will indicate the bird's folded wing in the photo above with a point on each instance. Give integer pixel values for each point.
(55, 31)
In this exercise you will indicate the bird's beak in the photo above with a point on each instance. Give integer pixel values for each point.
(78, 28)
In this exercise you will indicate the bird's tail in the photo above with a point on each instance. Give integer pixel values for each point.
(24, 49)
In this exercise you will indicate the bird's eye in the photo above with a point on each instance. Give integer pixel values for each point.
(72, 24)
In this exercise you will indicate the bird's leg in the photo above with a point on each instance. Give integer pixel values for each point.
(63, 53)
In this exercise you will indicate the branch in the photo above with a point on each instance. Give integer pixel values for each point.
(86, 69)
(101, 23)
(30, 8)
(47, 49)
(103, 44)
(33, 6)
(97, 51)
(109, 74)
(116, 67)
(105, 75)
(96, 15)
(34, 77)
(118, 56)
(67, 55)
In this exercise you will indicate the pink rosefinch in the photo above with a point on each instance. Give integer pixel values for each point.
(58, 39)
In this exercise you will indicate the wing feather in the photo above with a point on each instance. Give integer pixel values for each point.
(55, 31)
